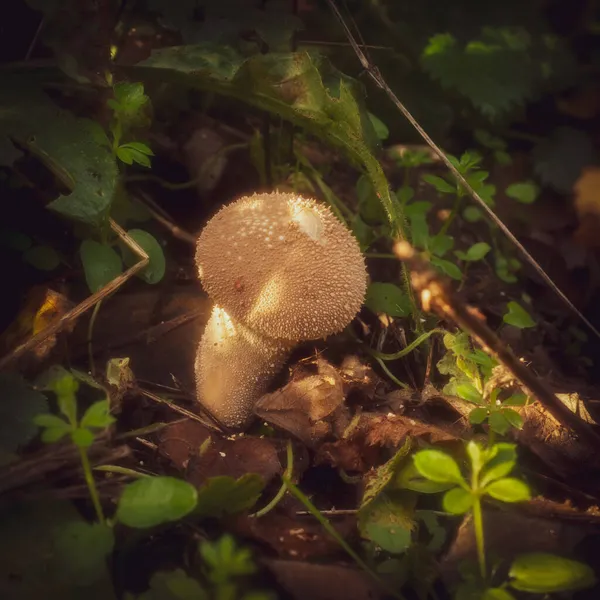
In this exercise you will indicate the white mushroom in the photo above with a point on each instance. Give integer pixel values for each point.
(281, 269)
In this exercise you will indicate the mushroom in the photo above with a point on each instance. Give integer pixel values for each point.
(281, 269)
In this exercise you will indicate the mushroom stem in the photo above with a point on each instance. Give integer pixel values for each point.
(234, 366)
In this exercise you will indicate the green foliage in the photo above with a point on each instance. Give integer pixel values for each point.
(224, 495)
(152, 501)
(155, 270)
(525, 192)
(19, 403)
(62, 142)
(101, 264)
(542, 573)
(517, 316)
(388, 299)
(44, 258)
(174, 585)
(498, 70)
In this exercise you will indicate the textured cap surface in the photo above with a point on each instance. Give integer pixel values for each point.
(283, 265)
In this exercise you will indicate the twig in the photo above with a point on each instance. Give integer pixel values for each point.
(88, 303)
(438, 295)
(375, 75)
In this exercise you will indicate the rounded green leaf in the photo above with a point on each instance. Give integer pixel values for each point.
(472, 214)
(98, 415)
(513, 417)
(387, 298)
(500, 462)
(542, 573)
(82, 438)
(437, 466)
(410, 479)
(477, 251)
(155, 270)
(447, 267)
(517, 316)
(151, 501)
(525, 192)
(498, 423)
(497, 594)
(44, 258)
(478, 415)
(468, 392)
(509, 489)
(457, 501)
(101, 264)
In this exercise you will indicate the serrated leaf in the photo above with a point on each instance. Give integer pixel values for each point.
(224, 495)
(457, 501)
(437, 466)
(300, 87)
(63, 142)
(44, 258)
(155, 270)
(441, 185)
(387, 298)
(19, 406)
(525, 192)
(542, 573)
(151, 501)
(101, 264)
(508, 489)
(517, 316)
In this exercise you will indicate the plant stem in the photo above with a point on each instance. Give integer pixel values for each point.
(89, 479)
(90, 336)
(479, 539)
(457, 202)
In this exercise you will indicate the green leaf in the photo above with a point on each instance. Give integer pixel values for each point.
(457, 501)
(152, 501)
(155, 270)
(525, 192)
(224, 560)
(447, 267)
(405, 194)
(410, 479)
(476, 454)
(513, 417)
(478, 415)
(500, 461)
(518, 316)
(82, 438)
(381, 130)
(542, 573)
(44, 258)
(56, 432)
(516, 400)
(477, 251)
(64, 144)
(387, 298)
(139, 147)
(440, 244)
(441, 185)
(174, 585)
(369, 205)
(498, 422)
(468, 392)
(19, 406)
(101, 264)
(497, 594)
(224, 495)
(388, 521)
(49, 420)
(301, 87)
(98, 415)
(129, 155)
(437, 466)
(472, 214)
(509, 489)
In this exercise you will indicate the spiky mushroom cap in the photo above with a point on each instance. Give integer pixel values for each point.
(281, 269)
(283, 265)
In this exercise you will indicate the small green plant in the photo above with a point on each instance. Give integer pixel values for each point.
(489, 477)
(82, 431)
(471, 373)
(129, 107)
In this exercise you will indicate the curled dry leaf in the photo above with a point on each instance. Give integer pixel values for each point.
(310, 407)
(323, 582)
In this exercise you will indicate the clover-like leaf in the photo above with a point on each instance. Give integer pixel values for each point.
(98, 415)
(525, 192)
(155, 270)
(457, 501)
(518, 316)
(101, 264)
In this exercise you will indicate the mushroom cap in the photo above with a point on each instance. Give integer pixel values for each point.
(283, 265)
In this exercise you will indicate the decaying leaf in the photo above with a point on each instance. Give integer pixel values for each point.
(181, 441)
(323, 582)
(311, 407)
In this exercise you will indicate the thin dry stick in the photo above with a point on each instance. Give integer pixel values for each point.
(88, 303)
(375, 75)
(438, 295)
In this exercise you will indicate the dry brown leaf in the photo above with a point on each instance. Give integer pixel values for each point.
(181, 441)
